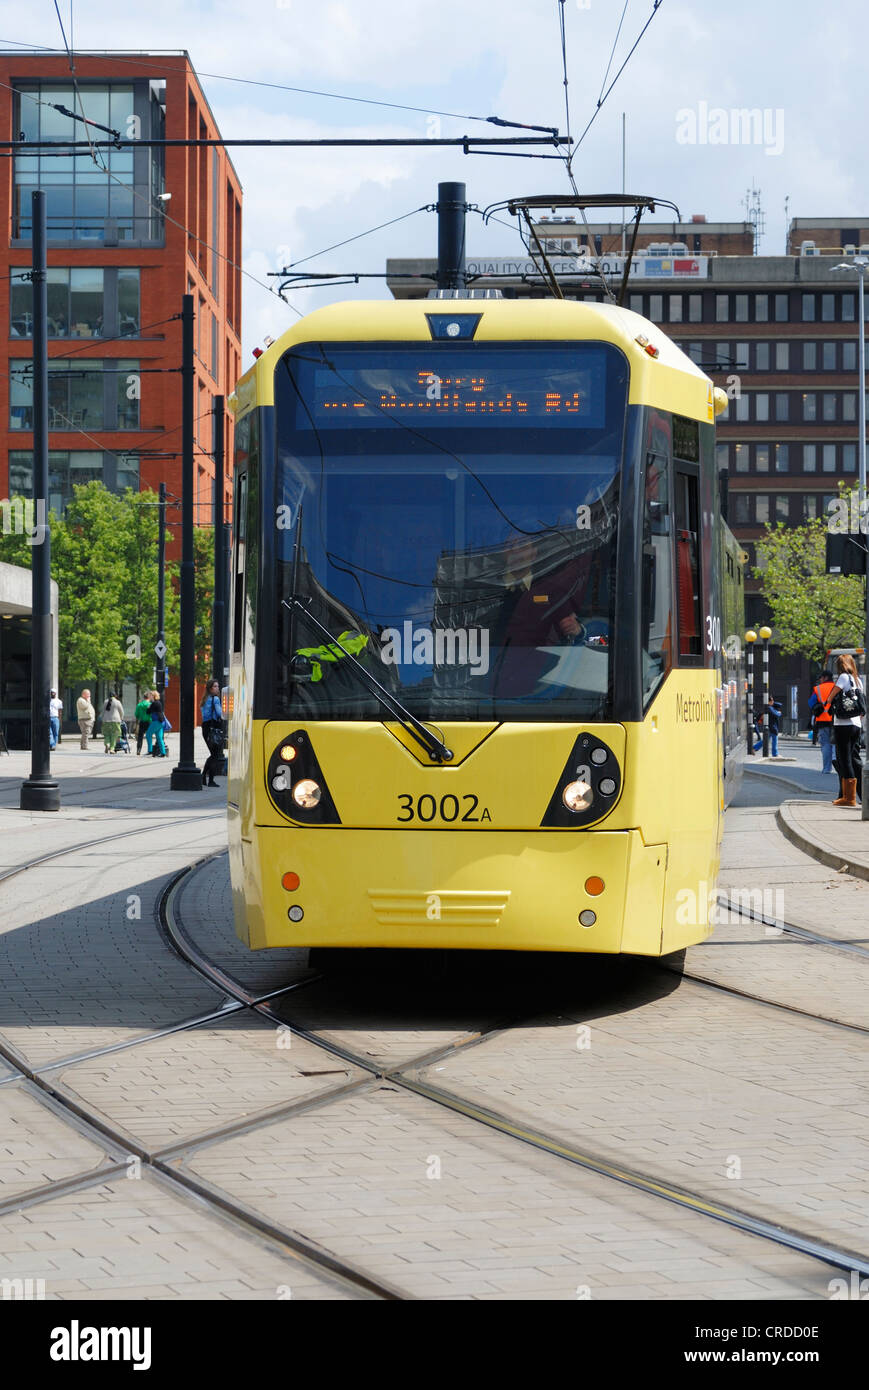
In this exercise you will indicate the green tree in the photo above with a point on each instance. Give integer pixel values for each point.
(203, 554)
(139, 608)
(810, 609)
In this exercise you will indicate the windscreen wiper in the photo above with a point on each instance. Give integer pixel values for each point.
(435, 748)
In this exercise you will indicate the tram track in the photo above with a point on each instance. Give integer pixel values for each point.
(402, 1077)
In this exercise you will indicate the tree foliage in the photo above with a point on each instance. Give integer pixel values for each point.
(810, 609)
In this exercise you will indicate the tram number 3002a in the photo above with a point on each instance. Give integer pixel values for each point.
(449, 809)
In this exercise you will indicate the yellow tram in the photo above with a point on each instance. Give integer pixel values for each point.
(478, 690)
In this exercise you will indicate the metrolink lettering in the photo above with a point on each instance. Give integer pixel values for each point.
(445, 646)
(700, 710)
(77, 1343)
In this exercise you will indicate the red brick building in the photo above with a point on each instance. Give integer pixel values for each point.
(121, 254)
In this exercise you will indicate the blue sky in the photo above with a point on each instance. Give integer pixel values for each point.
(800, 63)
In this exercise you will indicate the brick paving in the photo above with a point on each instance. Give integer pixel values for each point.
(38, 1146)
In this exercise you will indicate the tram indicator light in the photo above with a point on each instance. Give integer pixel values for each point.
(290, 881)
(594, 886)
(288, 752)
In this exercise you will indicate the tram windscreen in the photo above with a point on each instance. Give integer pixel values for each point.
(450, 513)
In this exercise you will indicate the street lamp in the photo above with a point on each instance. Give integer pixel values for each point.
(750, 638)
(861, 265)
(765, 634)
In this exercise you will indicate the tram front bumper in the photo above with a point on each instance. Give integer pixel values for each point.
(497, 890)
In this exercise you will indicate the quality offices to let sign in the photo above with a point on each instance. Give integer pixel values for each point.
(642, 267)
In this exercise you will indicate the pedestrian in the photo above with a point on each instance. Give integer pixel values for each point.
(158, 749)
(113, 715)
(819, 702)
(774, 715)
(212, 732)
(846, 732)
(55, 711)
(86, 716)
(143, 721)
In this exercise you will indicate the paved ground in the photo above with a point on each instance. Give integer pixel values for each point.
(758, 1107)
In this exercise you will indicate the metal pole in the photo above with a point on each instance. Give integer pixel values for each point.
(218, 640)
(451, 208)
(749, 697)
(861, 399)
(187, 776)
(40, 792)
(765, 749)
(160, 647)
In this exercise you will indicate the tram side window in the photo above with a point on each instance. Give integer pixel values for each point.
(688, 566)
(240, 533)
(657, 590)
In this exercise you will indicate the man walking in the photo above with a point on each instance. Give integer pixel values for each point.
(86, 716)
(55, 711)
(819, 699)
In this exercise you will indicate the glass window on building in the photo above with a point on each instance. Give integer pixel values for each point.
(741, 308)
(829, 458)
(722, 455)
(635, 302)
(849, 405)
(695, 352)
(782, 506)
(810, 458)
(127, 472)
(69, 468)
(742, 362)
(656, 307)
(781, 308)
(782, 458)
(741, 403)
(782, 405)
(86, 302)
(741, 508)
(695, 308)
(761, 508)
(810, 406)
(849, 357)
(847, 303)
(810, 506)
(828, 308)
(761, 458)
(849, 458)
(722, 308)
(128, 303)
(675, 308)
(808, 308)
(722, 357)
(128, 383)
(761, 308)
(83, 302)
(829, 406)
(810, 357)
(761, 357)
(761, 406)
(782, 357)
(20, 394)
(828, 357)
(740, 458)
(75, 396)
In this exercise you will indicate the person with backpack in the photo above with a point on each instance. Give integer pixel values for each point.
(212, 732)
(819, 702)
(847, 707)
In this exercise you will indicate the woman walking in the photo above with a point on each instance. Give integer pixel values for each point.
(143, 720)
(113, 714)
(846, 733)
(212, 732)
(156, 711)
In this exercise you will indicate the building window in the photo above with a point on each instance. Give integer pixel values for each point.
(741, 407)
(741, 307)
(810, 357)
(742, 361)
(810, 458)
(761, 458)
(722, 455)
(781, 308)
(782, 357)
(849, 357)
(810, 506)
(782, 405)
(782, 506)
(740, 458)
(849, 458)
(741, 508)
(761, 508)
(656, 307)
(828, 307)
(69, 468)
(829, 456)
(83, 302)
(695, 352)
(761, 406)
(782, 457)
(722, 308)
(723, 357)
(810, 406)
(847, 302)
(828, 401)
(635, 302)
(761, 357)
(808, 308)
(695, 308)
(82, 395)
(761, 308)
(828, 357)
(675, 308)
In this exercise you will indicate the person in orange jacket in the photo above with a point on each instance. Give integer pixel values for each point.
(819, 700)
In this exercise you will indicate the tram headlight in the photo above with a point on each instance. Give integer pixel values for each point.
(577, 796)
(307, 793)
